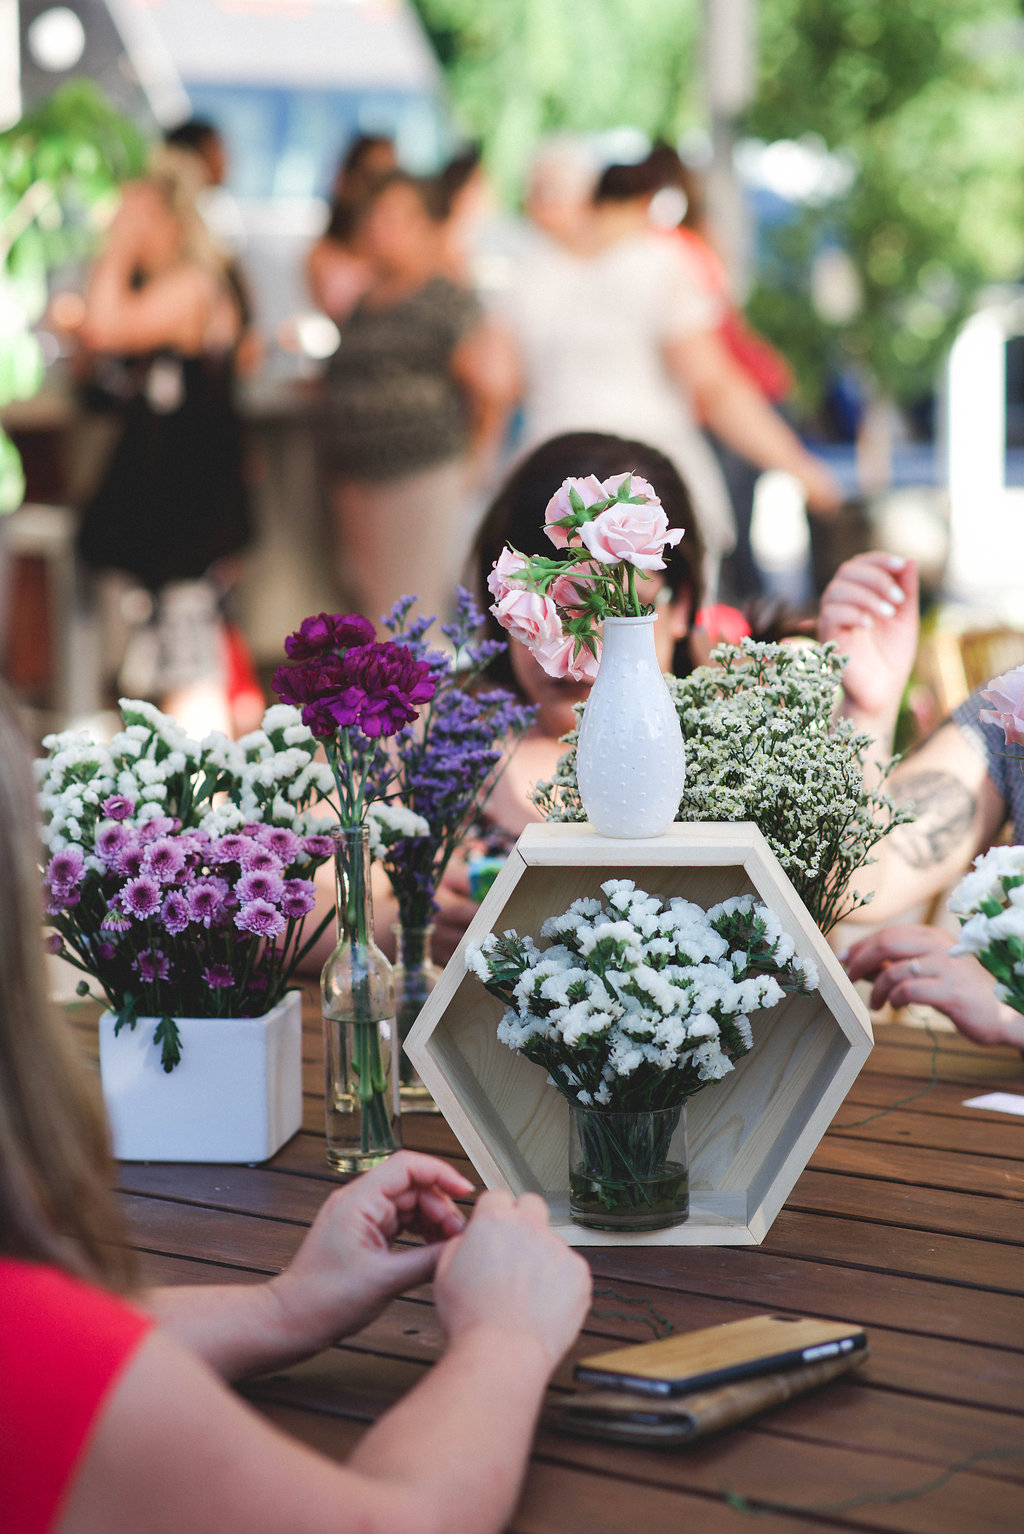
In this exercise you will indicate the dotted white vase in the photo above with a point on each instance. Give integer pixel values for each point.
(630, 764)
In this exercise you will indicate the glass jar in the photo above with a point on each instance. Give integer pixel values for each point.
(360, 1033)
(628, 1171)
(415, 977)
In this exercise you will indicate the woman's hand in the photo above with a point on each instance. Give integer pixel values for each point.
(509, 1272)
(912, 965)
(346, 1270)
(870, 609)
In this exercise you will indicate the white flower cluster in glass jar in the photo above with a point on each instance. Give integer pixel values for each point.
(990, 904)
(638, 1003)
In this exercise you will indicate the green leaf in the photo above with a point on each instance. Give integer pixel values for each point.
(169, 1039)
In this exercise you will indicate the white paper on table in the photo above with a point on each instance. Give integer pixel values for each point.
(998, 1102)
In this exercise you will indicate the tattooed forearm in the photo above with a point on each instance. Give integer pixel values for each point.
(945, 809)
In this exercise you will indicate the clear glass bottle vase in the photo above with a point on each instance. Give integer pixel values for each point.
(360, 1034)
(415, 977)
(628, 1171)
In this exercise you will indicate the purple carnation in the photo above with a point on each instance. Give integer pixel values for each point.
(66, 870)
(141, 897)
(206, 900)
(111, 840)
(260, 884)
(284, 843)
(260, 918)
(165, 860)
(117, 807)
(317, 846)
(54, 943)
(328, 631)
(319, 720)
(298, 899)
(218, 976)
(151, 965)
(174, 913)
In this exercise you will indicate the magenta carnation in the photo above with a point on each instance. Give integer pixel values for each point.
(328, 631)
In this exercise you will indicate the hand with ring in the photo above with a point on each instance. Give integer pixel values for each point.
(912, 965)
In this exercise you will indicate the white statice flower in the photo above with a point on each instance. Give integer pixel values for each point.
(711, 1062)
(476, 962)
(984, 882)
(222, 819)
(391, 822)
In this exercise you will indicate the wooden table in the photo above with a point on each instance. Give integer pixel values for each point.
(908, 1220)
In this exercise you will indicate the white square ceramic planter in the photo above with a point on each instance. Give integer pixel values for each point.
(236, 1094)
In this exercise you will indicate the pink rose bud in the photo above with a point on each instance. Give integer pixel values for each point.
(1007, 693)
(528, 616)
(628, 534)
(502, 578)
(555, 656)
(639, 489)
(565, 591)
(589, 490)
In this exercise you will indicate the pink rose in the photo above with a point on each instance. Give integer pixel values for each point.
(634, 535)
(565, 591)
(589, 490)
(555, 656)
(528, 616)
(637, 488)
(502, 578)
(1007, 693)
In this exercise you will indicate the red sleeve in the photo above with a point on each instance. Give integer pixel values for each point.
(62, 1346)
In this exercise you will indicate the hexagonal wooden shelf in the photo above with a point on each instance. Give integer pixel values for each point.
(750, 1135)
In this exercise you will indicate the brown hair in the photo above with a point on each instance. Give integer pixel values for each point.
(55, 1201)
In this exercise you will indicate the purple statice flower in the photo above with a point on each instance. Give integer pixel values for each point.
(218, 976)
(105, 951)
(328, 631)
(66, 871)
(115, 921)
(174, 913)
(151, 964)
(128, 862)
(141, 897)
(117, 807)
(260, 884)
(317, 846)
(298, 899)
(165, 860)
(229, 848)
(110, 839)
(206, 900)
(261, 859)
(260, 918)
(282, 842)
(54, 943)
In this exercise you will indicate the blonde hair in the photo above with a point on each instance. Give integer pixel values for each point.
(179, 177)
(55, 1200)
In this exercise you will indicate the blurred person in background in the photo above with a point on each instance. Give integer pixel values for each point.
(336, 273)
(559, 188)
(115, 1410)
(614, 330)
(415, 402)
(161, 322)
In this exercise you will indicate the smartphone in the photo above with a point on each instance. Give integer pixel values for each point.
(717, 1354)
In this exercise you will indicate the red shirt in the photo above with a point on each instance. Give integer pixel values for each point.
(63, 1344)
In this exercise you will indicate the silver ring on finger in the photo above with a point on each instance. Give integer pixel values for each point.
(914, 966)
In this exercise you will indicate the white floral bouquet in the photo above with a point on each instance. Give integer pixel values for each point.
(762, 744)
(637, 1004)
(990, 904)
(179, 873)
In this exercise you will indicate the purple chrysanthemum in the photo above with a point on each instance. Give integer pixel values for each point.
(206, 900)
(260, 884)
(66, 870)
(117, 807)
(164, 859)
(218, 976)
(111, 840)
(260, 918)
(151, 964)
(129, 860)
(174, 913)
(115, 921)
(141, 897)
(282, 842)
(54, 943)
(160, 825)
(298, 899)
(105, 951)
(257, 858)
(229, 848)
(317, 846)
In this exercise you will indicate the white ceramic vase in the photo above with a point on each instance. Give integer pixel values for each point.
(630, 764)
(236, 1094)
